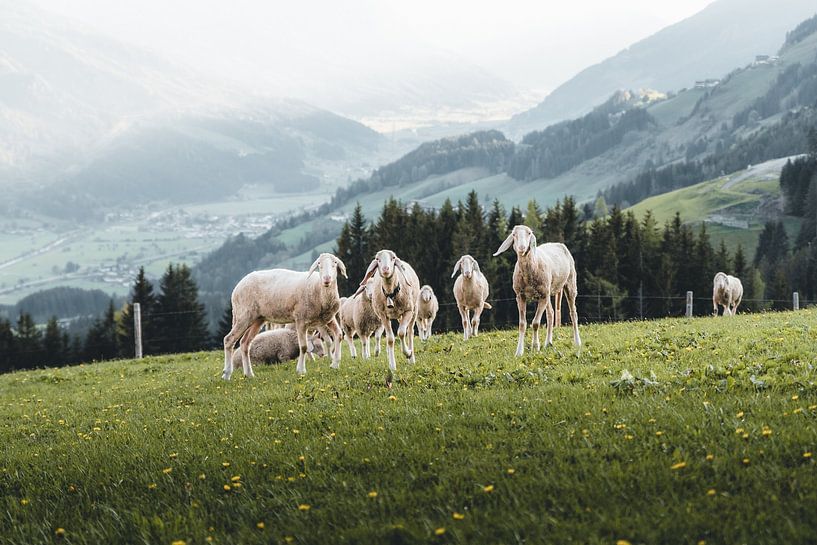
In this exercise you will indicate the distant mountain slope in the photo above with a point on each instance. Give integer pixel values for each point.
(726, 34)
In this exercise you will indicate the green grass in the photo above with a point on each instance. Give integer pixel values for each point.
(707, 442)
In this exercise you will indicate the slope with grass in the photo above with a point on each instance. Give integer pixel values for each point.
(672, 431)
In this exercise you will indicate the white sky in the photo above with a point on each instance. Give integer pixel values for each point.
(303, 44)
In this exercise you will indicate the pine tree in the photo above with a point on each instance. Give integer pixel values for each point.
(101, 340)
(739, 266)
(180, 317)
(353, 249)
(52, 343)
(722, 260)
(142, 293)
(225, 323)
(8, 347)
(29, 342)
(533, 219)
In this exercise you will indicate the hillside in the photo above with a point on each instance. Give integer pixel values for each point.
(726, 34)
(670, 431)
(735, 207)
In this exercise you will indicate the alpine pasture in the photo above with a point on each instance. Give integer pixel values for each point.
(668, 431)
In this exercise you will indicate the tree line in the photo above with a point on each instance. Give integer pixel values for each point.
(173, 320)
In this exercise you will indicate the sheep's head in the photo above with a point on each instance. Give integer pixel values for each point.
(368, 289)
(385, 262)
(467, 265)
(314, 345)
(328, 265)
(523, 241)
(426, 293)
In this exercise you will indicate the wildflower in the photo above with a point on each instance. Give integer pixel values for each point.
(659, 433)
(373, 494)
(740, 414)
(236, 478)
(304, 507)
(152, 486)
(439, 531)
(260, 525)
(807, 455)
(710, 457)
(795, 397)
(202, 476)
(457, 516)
(225, 464)
(167, 470)
(24, 501)
(511, 471)
(622, 542)
(711, 492)
(178, 542)
(488, 488)
(227, 487)
(679, 465)
(60, 532)
(746, 461)
(173, 455)
(766, 431)
(289, 539)
(296, 432)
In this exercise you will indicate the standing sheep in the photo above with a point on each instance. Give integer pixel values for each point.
(358, 318)
(427, 308)
(396, 288)
(541, 271)
(282, 296)
(727, 291)
(470, 292)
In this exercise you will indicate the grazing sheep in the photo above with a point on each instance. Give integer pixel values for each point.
(427, 308)
(358, 318)
(541, 271)
(396, 288)
(278, 345)
(282, 296)
(727, 291)
(470, 292)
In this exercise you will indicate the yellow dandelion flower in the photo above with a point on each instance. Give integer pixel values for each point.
(225, 464)
(488, 488)
(24, 501)
(711, 492)
(702, 542)
(152, 486)
(766, 432)
(798, 410)
(807, 455)
(60, 532)
(173, 455)
(289, 539)
(296, 432)
(740, 414)
(679, 465)
(710, 457)
(167, 470)
(236, 485)
(209, 539)
(235, 478)
(746, 461)
(457, 516)
(795, 397)
(227, 487)
(439, 531)
(510, 471)
(202, 476)
(301, 458)
(659, 433)
(392, 398)
(373, 494)
(304, 507)
(260, 525)
(622, 542)
(178, 542)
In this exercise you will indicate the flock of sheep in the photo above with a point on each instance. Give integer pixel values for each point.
(312, 310)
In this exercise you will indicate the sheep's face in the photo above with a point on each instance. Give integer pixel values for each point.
(386, 263)
(468, 265)
(328, 265)
(368, 290)
(426, 294)
(314, 345)
(523, 241)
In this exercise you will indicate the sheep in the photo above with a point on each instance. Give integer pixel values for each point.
(357, 317)
(727, 291)
(427, 308)
(282, 296)
(470, 292)
(278, 345)
(396, 289)
(541, 271)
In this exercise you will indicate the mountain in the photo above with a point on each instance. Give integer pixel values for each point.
(726, 34)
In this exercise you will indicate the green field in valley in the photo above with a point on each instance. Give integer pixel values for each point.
(669, 431)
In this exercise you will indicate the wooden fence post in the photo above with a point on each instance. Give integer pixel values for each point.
(689, 304)
(137, 329)
(795, 301)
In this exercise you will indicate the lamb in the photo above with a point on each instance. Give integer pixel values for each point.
(278, 345)
(357, 317)
(427, 308)
(470, 292)
(727, 291)
(396, 289)
(541, 271)
(282, 296)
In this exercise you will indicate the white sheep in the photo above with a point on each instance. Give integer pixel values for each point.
(281, 296)
(357, 317)
(470, 292)
(396, 288)
(427, 308)
(727, 291)
(541, 271)
(278, 345)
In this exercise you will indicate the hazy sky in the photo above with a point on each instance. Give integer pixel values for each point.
(301, 44)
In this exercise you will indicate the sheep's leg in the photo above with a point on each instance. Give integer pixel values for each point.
(378, 337)
(410, 333)
(714, 307)
(390, 345)
(557, 300)
(735, 305)
(349, 335)
(365, 345)
(551, 322)
(246, 339)
(537, 322)
(475, 320)
(335, 333)
(466, 326)
(574, 315)
(300, 330)
(240, 326)
(521, 305)
(405, 330)
(428, 332)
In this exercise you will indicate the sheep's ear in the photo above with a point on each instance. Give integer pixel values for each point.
(360, 290)
(505, 245)
(369, 272)
(341, 266)
(532, 245)
(456, 268)
(476, 266)
(315, 266)
(403, 270)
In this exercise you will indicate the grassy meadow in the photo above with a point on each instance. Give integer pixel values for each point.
(669, 431)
